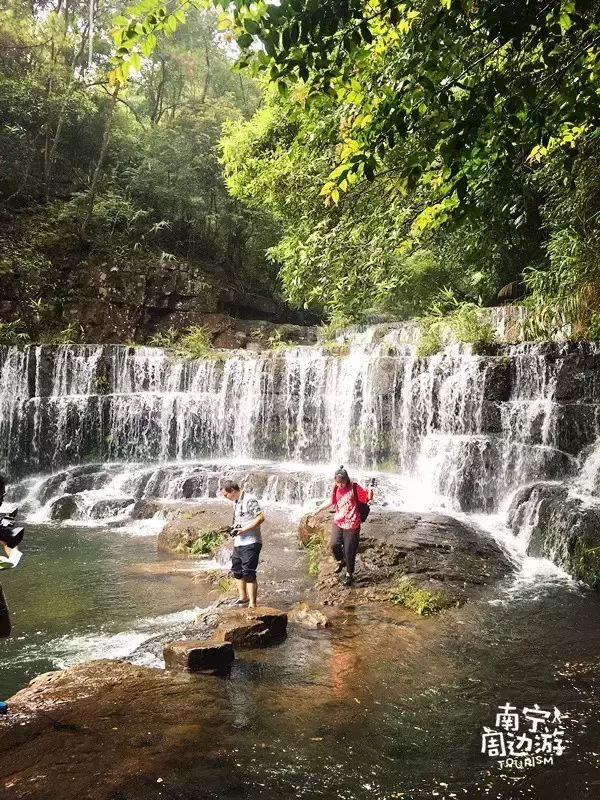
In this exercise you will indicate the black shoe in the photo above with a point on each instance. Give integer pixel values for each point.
(347, 580)
(339, 567)
(240, 602)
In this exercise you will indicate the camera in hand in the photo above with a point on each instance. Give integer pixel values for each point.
(235, 529)
(373, 482)
(9, 534)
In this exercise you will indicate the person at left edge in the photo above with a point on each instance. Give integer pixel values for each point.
(13, 555)
(247, 519)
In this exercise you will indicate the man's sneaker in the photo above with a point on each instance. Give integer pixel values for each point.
(240, 602)
(339, 567)
(347, 580)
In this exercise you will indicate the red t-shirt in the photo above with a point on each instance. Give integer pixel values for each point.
(346, 510)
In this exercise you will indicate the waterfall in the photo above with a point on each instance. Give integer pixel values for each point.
(471, 428)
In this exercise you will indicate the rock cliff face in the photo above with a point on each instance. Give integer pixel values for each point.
(562, 527)
(130, 304)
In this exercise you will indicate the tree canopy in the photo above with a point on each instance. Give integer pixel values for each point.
(414, 152)
(92, 175)
(474, 88)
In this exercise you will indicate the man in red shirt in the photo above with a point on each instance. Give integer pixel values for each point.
(345, 531)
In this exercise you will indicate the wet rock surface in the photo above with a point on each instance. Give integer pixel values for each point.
(110, 730)
(247, 628)
(199, 656)
(107, 729)
(191, 523)
(437, 554)
(564, 528)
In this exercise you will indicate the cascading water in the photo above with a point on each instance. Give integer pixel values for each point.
(471, 428)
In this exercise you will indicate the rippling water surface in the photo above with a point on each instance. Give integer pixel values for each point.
(383, 705)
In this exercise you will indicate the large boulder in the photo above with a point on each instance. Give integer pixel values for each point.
(64, 507)
(191, 524)
(199, 656)
(437, 554)
(111, 507)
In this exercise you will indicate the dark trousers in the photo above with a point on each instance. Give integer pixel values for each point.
(244, 561)
(344, 545)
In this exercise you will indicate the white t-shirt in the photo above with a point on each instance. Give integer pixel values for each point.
(245, 509)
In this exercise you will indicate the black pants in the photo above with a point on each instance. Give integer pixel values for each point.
(244, 561)
(344, 545)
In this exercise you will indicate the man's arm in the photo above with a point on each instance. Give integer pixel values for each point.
(258, 520)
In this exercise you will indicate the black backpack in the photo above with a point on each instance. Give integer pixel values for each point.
(363, 508)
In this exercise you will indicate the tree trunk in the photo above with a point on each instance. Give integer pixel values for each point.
(91, 199)
(51, 150)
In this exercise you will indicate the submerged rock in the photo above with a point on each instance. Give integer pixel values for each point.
(306, 616)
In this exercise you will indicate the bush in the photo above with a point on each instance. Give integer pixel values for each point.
(13, 333)
(196, 342)
(315, 546)
(167, 339)
(430, 341)
(463, 324)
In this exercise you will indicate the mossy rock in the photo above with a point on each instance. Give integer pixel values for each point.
(424, 598)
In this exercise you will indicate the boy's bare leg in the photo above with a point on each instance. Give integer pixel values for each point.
(252, 590)
(241, 587)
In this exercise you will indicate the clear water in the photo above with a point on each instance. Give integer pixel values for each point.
(82, 593)
(382, 704)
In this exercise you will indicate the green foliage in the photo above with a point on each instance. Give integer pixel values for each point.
(315, 547)
(424, 73)
(277, 340)
(418, 600)
(204, 544)
(593, 329)
(167, 338)
(158, 194)
(195, 343)
(465, 323)
(430, 342)
(335, 348)
(13, 333)
(332, 328)
(225, 583)
(469, 327)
